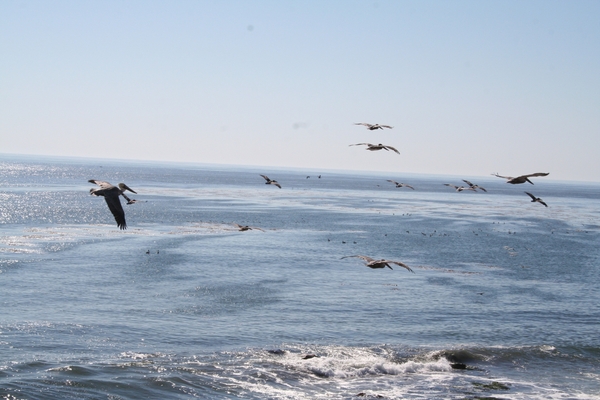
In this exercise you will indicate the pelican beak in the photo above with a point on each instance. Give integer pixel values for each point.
(125, 187)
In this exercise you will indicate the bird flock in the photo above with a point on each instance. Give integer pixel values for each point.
(112, 195)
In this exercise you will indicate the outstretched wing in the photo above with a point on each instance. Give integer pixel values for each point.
(448, 184)
(361, 144)
(365, 258)
(363, 124)
(386, 126)
(266, 178)
(102, 184)
(114, 205)
(398, 263)
(408, 186)
(394, 182)
(505, 177)
(468, 183)
(391, 148)
(532, 196)
(536, 174)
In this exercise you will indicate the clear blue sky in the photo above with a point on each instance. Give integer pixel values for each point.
(471, 87)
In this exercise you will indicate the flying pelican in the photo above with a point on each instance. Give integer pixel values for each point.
(475, 187)
(111, 195)
(522, 178)
(271, 182)
(373, 127)
(372, 263)
(459, 188)
(536, 199)
(244, 228)
(375, 147)
(398, 184)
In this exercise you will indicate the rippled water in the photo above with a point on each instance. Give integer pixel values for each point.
(503, 302)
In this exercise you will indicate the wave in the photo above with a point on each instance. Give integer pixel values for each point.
(294, 371)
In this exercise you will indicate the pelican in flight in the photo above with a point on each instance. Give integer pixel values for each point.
(244, 228)
(536, 199)
(399, 185)
(111, 195)
(475, 187)
(375, 147)
(373, 127)
(460, 188)
(522, 178)
(372, 263)
(271, 182)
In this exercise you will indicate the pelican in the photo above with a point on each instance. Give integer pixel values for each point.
(373, 127)
(111, 195)
(536, 199)
(459, 188)
(475, 187)
(244, 228)
(372, 263)
(399, 185)
(375, 147)
(522, 178)
(271, 182)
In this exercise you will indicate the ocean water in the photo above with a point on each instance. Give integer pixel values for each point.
(503, 302)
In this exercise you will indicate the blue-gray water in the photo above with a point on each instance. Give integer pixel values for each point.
(502, 286)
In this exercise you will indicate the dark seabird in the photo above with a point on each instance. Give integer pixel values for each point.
(271, 182)
(111, 195)
(398, 184)
(373, 263)
(373, 127)
(536, 199)
(459, 188)
(375, 147)
(475, 187)
(522, 178)
(247, 228)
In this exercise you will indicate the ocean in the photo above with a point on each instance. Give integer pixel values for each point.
(503, 302)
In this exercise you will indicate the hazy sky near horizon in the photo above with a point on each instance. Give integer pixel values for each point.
(471, 87)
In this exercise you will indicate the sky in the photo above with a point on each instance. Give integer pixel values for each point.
(470, 87)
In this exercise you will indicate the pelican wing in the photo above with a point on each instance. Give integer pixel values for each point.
(448, 184)
(391, 148)
(532, 196)
(363, 124)
(266, 178)
(536, 174)
(394, 182)
(401, 264)
(102, 184)
(114, 205)
(468, 183)
(365, 258)
(276, 184)
(361, 144)
(408, 186)
(386, 126)
(505, 177)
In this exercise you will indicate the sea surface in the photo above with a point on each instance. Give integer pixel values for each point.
(504, 301)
